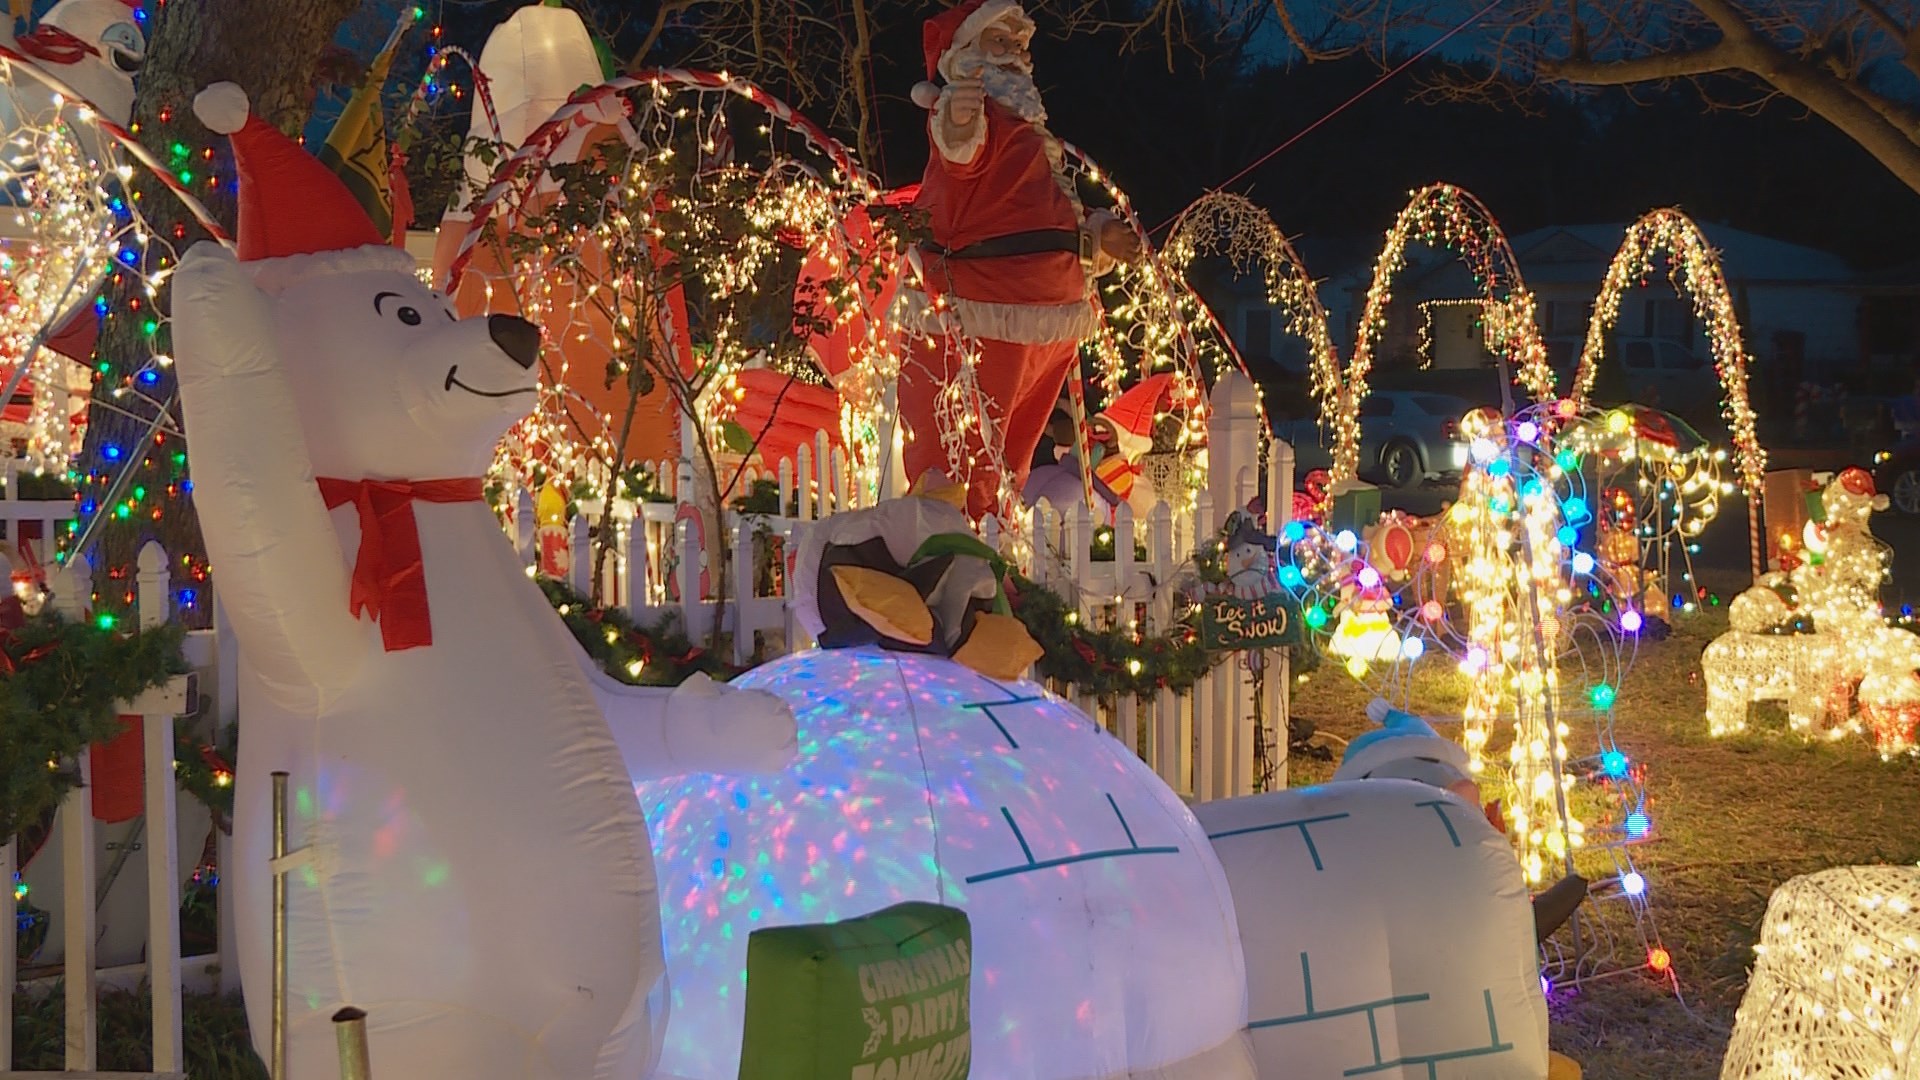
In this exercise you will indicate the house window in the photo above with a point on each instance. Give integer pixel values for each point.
(1564, 318)
(1668, 318)
(1258, 340)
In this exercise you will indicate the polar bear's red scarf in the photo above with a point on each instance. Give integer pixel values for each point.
(389, 579)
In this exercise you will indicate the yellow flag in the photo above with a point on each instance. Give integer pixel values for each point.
(356, 148)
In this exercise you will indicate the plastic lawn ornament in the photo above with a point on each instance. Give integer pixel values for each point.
(444, 738)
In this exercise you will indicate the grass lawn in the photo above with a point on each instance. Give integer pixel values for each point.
(1733, 818)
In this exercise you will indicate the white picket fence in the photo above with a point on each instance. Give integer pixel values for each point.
(1201, 742)
(78, 855)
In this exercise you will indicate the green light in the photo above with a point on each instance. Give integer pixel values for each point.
(1567, 460)
(121, 511)
(179, 149)
(105, 620)
(149, 327)
(1316, 617)
(179, 459)
(1601, 696)
(419, 13)
(139, 492)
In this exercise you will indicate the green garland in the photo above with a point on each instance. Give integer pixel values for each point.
(1104, 662)
(206, 772)
(660, 655)
(59, 683)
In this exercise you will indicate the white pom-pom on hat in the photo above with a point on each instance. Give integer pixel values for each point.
(926, 95)
(222, 107)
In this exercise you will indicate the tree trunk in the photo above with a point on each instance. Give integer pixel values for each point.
(270, 48)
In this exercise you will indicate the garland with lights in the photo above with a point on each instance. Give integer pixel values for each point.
(659, 655)
(1111, 661)
(61, 682)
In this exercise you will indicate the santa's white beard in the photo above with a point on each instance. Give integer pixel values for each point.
(1008, 82)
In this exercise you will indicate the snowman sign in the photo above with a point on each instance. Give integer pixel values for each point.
(1247, 610)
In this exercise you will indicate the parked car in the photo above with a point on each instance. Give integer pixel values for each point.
(1406, 436)
(1896, 473)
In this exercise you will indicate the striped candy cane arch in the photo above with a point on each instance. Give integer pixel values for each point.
(1694, 270)
(1446, 216)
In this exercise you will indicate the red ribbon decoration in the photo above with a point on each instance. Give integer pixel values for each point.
(55, 46)
(389, 580)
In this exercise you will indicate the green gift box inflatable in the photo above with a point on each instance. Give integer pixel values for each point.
(881, 997)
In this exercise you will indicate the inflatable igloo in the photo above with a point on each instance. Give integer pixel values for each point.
(1105, 942)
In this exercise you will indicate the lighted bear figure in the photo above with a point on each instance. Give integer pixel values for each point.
(448, 751)
(1104, 941)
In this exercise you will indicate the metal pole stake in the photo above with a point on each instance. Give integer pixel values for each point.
(350, 1028)
(279, 1063)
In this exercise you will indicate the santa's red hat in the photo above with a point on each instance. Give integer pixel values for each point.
(296, 217)
(952, 31)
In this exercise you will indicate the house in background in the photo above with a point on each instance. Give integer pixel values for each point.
(1801, 310)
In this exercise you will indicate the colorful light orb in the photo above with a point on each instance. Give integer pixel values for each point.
(1316, 617)
(1638, 825)
(1528, 431)
(1095, 897)
(1291, 577)
(1482, 450)
(1602, 695)
(1436, 553)
(1631, 621)
(1582, 563)
(1614, 764)
(1658, 959)
(1633, 884)
(1369, 578)
(1568, 536)
(1346, 541)
(1432, 611)
(1412, 648)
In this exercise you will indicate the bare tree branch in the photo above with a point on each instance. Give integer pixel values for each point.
(1655, 68)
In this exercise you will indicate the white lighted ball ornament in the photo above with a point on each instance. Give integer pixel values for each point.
(1104, 936)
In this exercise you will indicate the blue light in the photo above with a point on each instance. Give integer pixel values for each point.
(1614, 764)
(1638, 825)
(1568, 536)
(1498, 468)
(1533, 488)
(99, 305)
(112, 453)
(1290, 577)
(149, 376)
(130, 256)
(139, 14)
(1294, 532)
(1575, 510)
(186, 487)
(188, 597)
(1907, 610)
(87, 506)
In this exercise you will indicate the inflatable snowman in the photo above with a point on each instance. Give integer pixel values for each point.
(470, 865)
(1104, 940)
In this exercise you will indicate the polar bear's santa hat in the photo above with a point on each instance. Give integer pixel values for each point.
(297, 219)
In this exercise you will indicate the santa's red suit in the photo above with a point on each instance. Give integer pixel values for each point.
(1013, 255)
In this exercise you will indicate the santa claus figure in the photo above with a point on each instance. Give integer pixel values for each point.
(1012, 260)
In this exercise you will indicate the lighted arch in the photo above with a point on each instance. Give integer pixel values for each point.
(1228, 225)
(1694, 269)
(1448, 216)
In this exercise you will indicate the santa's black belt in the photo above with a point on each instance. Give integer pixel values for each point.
(1032, 242)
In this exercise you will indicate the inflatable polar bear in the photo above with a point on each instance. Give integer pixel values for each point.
(448, 746)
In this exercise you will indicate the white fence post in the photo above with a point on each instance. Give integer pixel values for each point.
(1278, 706)
(73, 598)
(580, 552)
(1233, 444)
(163, 855)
